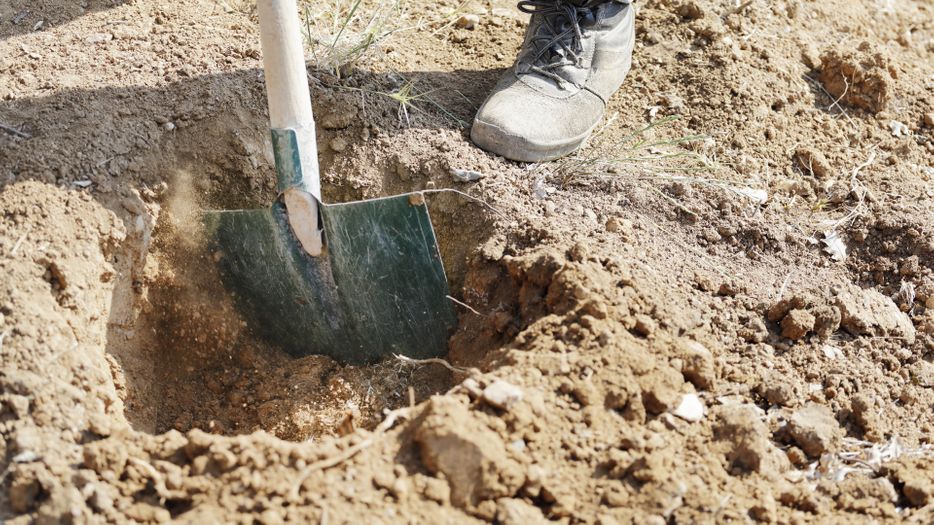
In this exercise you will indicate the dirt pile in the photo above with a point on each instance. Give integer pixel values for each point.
(722, 309)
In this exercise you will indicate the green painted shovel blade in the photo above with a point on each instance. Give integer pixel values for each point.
(379, 288)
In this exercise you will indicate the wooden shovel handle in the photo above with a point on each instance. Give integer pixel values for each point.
(284, 63)
(290, 113)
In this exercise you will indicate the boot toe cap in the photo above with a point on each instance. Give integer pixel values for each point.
(523, 125)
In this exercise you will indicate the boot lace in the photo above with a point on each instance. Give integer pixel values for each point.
(557, 42)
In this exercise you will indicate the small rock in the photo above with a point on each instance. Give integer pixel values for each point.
(99, 424)
(472, 458)
(27, 438)
(780, 389)
(169, 126)
(510, 511)
(826, 320)
(466, 175)
(868, 312)
(337, 119)
(146, 513)
(698, 364)
(711, 235)
(797, 324)
(437, 490)
(338, 144)
(97, 38)
(652, 38)
(913, 475)
(106, 455)
(815, 429)
(590, 214)
(19, 404)
(501, 394)
(27, 456)
(660, 389)
(691, 11)
(467, 21)
(750, 447)
(814, 162)
(929, 119)
(645, 325)
(899, 129)
(23, 490)
(612, 225)
(690, 409)
(867, 417)
(754, 331)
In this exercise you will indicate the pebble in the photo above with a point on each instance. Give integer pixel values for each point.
(97, 38)
(899, 129)
(169, 126)
(473, 387)
(501, 394)
(466, 175)
(25, 457)
(338, 144)
(797, 323)
(590, 214)
(467, 21)
(690, 409)
(814, 428)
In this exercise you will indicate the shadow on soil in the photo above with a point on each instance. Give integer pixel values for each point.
(22, 16)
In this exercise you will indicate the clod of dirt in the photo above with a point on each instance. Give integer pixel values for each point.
(660, 389)
(698, 365)
(691, 11)
(779, 389)
(826, 320)
(915, 478)
(780, 308)
(814, 162)
(25, 487)
(867, 417)
(473, 458)
(511, 511)
(868, 312)
(796, 324)
(860, 78)
(815, 429)
(746, 437)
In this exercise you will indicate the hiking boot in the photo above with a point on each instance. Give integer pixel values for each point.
(575, 56)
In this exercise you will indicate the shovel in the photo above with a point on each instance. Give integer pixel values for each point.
(356, 281)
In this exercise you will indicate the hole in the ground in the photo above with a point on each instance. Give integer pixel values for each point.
(183, 357)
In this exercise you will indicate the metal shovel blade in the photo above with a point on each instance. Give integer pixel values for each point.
(378, 289)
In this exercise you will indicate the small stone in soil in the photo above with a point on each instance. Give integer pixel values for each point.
(797, 324)
(815, 429)
(338, 144)
(501, 394)
(467, 21)
(691, 408)
(466, 175)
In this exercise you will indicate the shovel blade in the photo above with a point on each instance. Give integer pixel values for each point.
(378, 289)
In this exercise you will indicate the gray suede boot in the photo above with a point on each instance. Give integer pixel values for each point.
(575, 56)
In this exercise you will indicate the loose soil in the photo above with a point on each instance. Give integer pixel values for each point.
(721, 309)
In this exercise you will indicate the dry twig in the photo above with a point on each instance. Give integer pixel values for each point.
(15, 132)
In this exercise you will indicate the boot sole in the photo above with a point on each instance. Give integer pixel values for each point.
(496, 140)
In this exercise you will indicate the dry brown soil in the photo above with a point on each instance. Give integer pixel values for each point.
(726, 316)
